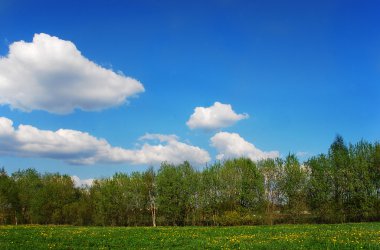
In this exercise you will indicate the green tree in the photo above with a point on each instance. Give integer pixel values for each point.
(57, 191)
(210, 194)
(293, 186)
(110, 197)
(9, 203)
(28, 184)
(321, 188)
(149, 178)
(361, 188)
(375, 176)
(80, 211)
(138, 198)
(340, 162)
(271, 170)
(176, 192)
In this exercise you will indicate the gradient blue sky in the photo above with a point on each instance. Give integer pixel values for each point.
(303, 70)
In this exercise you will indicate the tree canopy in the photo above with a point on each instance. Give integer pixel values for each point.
(340, 186)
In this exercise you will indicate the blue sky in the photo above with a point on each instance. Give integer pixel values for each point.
(303, 71)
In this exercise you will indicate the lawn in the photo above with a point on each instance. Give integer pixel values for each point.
(338, 236)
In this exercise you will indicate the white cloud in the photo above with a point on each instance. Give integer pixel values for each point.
(78, 182)
(76, 147)
(302, 154)
(232, 145)
(159, 137)
(51, 74)
(216, 116)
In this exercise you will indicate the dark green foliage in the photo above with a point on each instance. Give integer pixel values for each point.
(29, 183)
(340, 186)
(176, 189)
(343, 185)
(293, 187)
(9, 204)
(321, 194)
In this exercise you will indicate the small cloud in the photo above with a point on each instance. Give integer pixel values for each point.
(232, 145)
(82, 182)
(159, 137)
(51, 74)
(303, 154)
(214, 117)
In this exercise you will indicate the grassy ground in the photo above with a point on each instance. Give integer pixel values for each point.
(342, 236)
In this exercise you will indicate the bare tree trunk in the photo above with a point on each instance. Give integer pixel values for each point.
(153, 208)
(154, 215)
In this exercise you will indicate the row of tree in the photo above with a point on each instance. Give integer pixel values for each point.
(340, 186)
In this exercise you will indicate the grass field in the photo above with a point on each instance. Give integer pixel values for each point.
(342, 236)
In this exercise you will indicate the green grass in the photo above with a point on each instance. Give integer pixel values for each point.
(339, 236)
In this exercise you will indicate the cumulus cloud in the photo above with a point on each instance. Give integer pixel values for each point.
(232, 145)
(51, 74)
(78, 182)
(216, 116)
(76, 147)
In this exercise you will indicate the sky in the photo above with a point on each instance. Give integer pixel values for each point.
(90, 88)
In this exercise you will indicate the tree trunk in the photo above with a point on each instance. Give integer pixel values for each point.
(153, 208)
(154, 215)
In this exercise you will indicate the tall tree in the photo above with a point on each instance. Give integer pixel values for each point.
(8, 199)
(271, 170)
(149, 177)
(211, 194)
(321, 188)
(111, 200)
(169, 193)
(339, 157)
(28, 183)
(176, 191)
(375, 170)
(361, 189)
(293, 185)
(57, 192)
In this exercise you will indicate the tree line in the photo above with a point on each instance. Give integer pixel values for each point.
(342, 185)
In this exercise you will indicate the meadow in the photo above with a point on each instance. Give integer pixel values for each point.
(334, 236)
